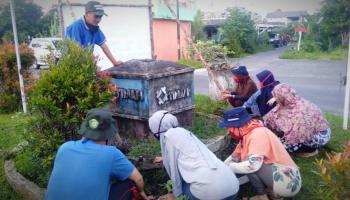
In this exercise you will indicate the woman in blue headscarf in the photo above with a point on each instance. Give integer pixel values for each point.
(261, 97)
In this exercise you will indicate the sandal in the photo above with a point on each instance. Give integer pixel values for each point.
(308, 155)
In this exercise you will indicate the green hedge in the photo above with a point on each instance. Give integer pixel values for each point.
(59, 102)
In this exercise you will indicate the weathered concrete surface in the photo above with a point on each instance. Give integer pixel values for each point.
(27, 189)
(222, 72)
(218, 143)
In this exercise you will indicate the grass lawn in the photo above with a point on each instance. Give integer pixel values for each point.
(338, 54)
(12, 129)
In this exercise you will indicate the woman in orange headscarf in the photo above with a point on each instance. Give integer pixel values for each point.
(261, 156)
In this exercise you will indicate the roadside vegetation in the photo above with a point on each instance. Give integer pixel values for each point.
(327, 33)
(337, 54)
(191, 63)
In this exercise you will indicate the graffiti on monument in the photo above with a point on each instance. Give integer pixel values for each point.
(163, 95)
(133, 94)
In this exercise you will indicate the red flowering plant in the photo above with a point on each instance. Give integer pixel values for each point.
(10, 96)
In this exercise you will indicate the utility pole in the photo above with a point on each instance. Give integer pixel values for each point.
(19, 68)
(178, 29)
(347, 92)
(60, 19)
(299, 40)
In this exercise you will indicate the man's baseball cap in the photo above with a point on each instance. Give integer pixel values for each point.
(95, 7)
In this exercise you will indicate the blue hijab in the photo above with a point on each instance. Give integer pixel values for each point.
(267, 83)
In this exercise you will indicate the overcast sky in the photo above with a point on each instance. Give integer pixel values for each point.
(262, 7)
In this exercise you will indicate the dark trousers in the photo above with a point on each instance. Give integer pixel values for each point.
(261, 179)
(121, 190)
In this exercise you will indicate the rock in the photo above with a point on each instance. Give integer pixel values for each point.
(24, 187)
(20, 146)
(219, 143)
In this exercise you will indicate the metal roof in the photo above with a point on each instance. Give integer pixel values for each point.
(282, 14)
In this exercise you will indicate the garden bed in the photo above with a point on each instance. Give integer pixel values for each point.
(141, 153)
(205, 127)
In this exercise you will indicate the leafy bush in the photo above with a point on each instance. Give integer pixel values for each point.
(335, 175)
(59, 102)
(149, 147)
(28, 164)
(197, 26)
(190, 63)
(205, 105)
(205, 128)
(212, 51)
(10, 96)
(239, 32)
(310, 46)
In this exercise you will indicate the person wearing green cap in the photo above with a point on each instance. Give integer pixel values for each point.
(86, 31)
(83, 169)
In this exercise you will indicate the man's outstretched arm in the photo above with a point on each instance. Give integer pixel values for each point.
(109, 55)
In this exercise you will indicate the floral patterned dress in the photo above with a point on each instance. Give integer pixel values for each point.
(286, 180)
(301, 121)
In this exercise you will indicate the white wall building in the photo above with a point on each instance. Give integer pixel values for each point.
(127, 27)
(285, 17)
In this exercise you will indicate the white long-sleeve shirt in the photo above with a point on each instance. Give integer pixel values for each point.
(186, 158)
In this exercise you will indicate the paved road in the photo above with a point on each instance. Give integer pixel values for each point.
(318, 81)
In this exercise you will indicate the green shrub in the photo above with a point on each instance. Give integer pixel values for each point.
(337, 54)
(212, 51)
(335, 175)
(190, 63)
(27, 163)
(310, 46)
(10, 96)
(205, 105)
(9, 102)
(239, 33)
(148, 147)
(205, 128)
(59, 102)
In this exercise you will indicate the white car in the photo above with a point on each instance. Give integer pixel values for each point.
(42, 48)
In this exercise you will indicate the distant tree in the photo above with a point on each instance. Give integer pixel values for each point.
(28, 19)
(239, 33)
(336, 21)
(49, 24)
(197, 26)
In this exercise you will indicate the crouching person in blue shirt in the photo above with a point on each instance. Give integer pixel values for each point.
(83, 169)
(194, 170)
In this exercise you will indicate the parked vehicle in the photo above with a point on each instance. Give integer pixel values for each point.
(44, 47)
(275, 40)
